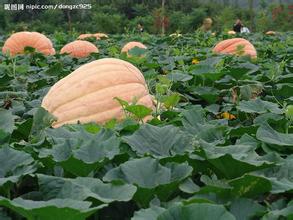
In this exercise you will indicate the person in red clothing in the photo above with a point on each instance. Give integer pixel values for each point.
(237, 26)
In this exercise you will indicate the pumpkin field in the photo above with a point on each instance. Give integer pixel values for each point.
(173, 128)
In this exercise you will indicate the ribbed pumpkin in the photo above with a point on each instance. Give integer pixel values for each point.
(87, 94)
(100, 35)
(231, 46)
(16, 43)
(231, 32)
(79, 48)
(84, 36)
(131, 45)
(270, 33)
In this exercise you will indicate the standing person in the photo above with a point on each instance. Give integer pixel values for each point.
(206, 25)
(245, 30)
(237, 26)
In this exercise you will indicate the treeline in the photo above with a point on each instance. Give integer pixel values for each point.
(118, 16)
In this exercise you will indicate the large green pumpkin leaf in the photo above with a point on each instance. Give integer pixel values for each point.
(87, 147)
(250, 185)
(215, 185)
(6, 125)
(201, 211)
(6, 121)
(193, 117)
(268, 135)
(42, 119)
(148, 172)
(152, 178)
(79, 151)
(206, 71)
(286, 213)
(188, 186)
(159, 141)
(244, 209)
(210, 94)
(242, 158)
(178, 76)
(283, 90)
(241, 70)
(82, 188)
(259, 106)
(14, 164)
(263, 118)
(194, 122)
(55, 209)
(281, 177)
(151, 213)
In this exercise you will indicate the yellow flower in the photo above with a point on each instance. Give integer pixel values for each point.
(195, 61)
(227, 115)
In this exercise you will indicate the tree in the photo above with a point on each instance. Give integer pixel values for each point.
(163, 17)
(251, 12)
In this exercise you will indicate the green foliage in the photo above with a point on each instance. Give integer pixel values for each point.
(198, 211)
(108, 23)
(123, 16)
(186, 22)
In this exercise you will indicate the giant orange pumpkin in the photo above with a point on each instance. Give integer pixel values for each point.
(84, 36)
(231, 32)
(87, 94)
(131, 45)
(16, 43)
(100, 35)
(79, 48)
(270, 33)
(232, 46)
